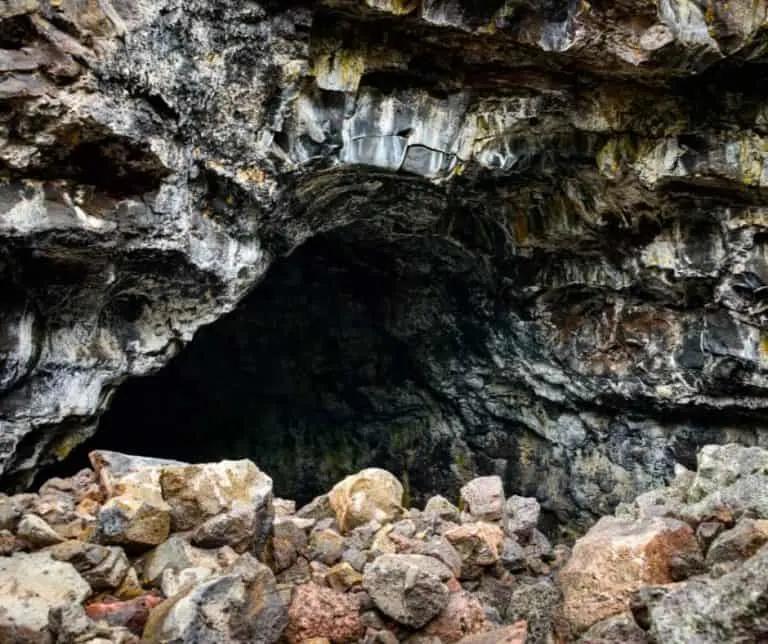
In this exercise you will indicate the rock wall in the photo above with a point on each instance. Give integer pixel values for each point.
(556, 210)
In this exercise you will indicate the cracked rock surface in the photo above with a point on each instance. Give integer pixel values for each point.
(556, 211)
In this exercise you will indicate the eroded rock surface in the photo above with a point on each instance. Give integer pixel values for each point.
(544, 226)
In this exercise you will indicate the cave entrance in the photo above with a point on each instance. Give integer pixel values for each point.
(318, 373)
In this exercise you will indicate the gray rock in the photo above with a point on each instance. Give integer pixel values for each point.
(36, 533)
(521, 516)
(441, 508)
(483, 498)
(739, 543)
(613, 630)
(103, 567)
(408, 588)
(728, 609)
(536, 603)
(222, 609)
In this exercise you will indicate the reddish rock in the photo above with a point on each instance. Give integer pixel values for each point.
(464, 615)
(132, 614)
(614, 559)
(517, 633)
(318, 612)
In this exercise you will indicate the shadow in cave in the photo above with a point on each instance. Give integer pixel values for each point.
(315, 375)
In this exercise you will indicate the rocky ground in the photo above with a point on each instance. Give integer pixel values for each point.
(149, 550)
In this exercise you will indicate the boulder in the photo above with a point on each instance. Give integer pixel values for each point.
(483, 498)
(30, 586)
(521, 516)
(370, 495)
(318, 612)
(722, 465)
(731, 608)
(411, 589)
(479, 545)
(615, 558)
(243, 607)
(196, 493)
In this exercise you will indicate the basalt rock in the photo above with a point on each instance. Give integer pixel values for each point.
(511, 238)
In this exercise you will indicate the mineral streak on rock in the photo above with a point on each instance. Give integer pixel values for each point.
(573, 194)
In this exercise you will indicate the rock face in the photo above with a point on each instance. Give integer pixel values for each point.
(539, 229)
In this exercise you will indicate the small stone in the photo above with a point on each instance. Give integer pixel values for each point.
(479, 545)
(36, 533)
(619, 628)
(355, 558)
(9, 543)
(236, 528)
(483, 498)
(10, 512)
(131, 614)
(177, 554)
(372, 494)
(103, 567)
(739, 543)
(342, 577)
(706, 533)
(521, 516)
(133, 522)
(513, 555)
(284, 507)
(514, 634)
(536, 603)
(173, 582)
(408, 588)
(321, 612)
(683, 565)
(538, 546)
(463, 615)
(289, 540)
(317, 509)
(441, 508)
(326, 546)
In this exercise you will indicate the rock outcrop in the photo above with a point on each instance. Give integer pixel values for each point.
(540, 229)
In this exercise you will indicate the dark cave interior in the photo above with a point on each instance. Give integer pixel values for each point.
(318, 373)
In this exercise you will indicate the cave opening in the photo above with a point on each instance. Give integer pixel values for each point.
(322, 370)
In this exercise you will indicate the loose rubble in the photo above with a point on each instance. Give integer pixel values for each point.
(680, 564)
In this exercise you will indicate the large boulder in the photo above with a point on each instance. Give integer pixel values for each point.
(722, 465)
(370, 495)
(613, 560)
(30, 586)
(411, 589)
(225, 503)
